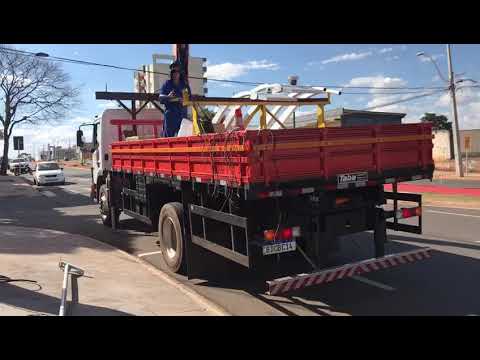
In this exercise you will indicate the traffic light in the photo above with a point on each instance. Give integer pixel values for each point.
(80, 138)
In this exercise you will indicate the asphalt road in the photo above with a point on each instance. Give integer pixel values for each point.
(445, 284)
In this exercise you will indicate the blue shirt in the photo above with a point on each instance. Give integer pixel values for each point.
(175, 107)
(174, 111)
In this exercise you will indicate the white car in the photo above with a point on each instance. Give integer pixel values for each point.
(48, 172)
(17, 162)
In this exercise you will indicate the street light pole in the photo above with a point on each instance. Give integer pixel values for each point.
(456, 130)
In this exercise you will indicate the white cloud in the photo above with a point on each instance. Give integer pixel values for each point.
(314, 65)
(468, 106)
(385, 50)
(434, 57)
(348, 57)
(468, 101)
(377, 81)
(392, 58)
(35, 137)
(229, 71)
(107, 105)
(380, 96)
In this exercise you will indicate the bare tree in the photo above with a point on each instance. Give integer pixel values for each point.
(33, 91)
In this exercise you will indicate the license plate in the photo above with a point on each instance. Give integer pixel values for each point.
(279, 248)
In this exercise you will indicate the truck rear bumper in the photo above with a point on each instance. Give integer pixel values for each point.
(286, 284)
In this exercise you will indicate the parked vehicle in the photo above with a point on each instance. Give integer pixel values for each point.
(48, 172)
(22, 165)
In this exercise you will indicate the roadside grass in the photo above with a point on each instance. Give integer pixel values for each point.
(453, 201)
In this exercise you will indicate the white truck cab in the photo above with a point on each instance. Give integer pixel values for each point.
(106, 133)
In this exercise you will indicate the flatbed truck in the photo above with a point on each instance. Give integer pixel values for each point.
(256, 197)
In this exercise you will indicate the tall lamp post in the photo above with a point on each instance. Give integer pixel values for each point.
(452, 88)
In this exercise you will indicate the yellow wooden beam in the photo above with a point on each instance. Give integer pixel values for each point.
(263, 117)
(320, 116)
(196, 127)
(250, 117)
(275, 118)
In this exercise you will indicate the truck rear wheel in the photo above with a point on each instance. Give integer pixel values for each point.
(170, 224)
(105, 210)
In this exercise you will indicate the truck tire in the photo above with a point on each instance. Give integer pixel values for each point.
(105, 211)
(170, 236)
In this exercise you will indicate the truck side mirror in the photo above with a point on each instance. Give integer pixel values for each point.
(80, 142)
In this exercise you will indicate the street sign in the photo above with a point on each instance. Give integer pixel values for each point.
(467, 142)
(18, 143)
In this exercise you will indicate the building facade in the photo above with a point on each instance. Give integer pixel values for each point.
(150, 78)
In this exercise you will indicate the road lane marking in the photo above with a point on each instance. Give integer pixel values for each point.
(450, 213)
(48, 193)
(373, 283)
(149, 253)
(82, 191)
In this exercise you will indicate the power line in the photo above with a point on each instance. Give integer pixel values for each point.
(388, 93)
(404, 100)
(89, 63)
(82, 62)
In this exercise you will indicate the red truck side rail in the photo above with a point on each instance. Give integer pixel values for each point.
(266, 156)
(157, 123)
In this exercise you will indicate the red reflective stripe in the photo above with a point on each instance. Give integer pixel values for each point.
(320, 279)
(352, 271)
(299, 283)
(327, 276)
(310, 281)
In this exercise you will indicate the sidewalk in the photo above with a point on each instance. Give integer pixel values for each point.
(14, 186)
(115, 283)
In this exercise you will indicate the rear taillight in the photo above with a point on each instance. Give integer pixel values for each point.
(286, 234)
(409, 212)
(341, 200)
(269, 235)
(282, 234)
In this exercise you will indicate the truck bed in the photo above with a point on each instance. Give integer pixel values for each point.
(278, 156)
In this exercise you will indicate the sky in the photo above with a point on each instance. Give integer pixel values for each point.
(377, 65)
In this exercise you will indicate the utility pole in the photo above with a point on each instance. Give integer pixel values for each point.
(456, 130)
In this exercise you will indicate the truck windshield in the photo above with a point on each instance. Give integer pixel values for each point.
(50, 166)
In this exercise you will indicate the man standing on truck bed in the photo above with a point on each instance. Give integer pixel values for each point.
(175, 111)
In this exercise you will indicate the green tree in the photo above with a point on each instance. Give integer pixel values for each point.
(440, 122)
(206, 114)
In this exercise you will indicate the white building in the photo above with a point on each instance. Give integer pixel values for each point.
(151, 77)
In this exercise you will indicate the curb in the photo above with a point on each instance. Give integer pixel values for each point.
(177, 284)
(195, 296)
(172, 281)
